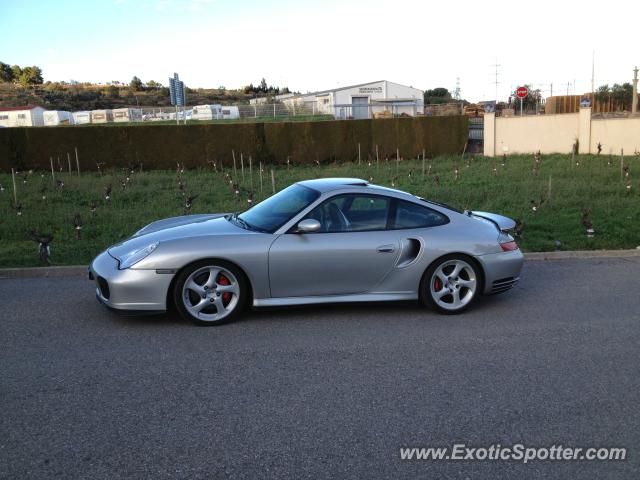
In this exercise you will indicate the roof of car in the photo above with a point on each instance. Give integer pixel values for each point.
(327, 184)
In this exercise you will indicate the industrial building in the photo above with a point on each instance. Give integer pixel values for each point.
(377, 99)
(28, 116)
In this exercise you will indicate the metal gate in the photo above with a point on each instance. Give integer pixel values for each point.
(360, 107)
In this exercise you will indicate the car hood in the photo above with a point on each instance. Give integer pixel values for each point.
(187, 226)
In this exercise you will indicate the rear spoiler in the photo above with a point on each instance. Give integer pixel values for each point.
(503, 223)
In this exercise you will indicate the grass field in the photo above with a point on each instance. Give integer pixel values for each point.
(567, 187)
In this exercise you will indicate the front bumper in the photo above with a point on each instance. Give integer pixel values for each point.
(138, 291)
(502, 270)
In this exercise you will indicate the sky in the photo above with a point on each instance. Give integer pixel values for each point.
(318, 45)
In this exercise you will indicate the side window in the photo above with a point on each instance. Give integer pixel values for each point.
(411, 215)
(352, 213)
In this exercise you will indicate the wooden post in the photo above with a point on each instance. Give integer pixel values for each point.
(273, 182)
(251, 173)
(358, 153)
(260, 165)
(53, 175)
(15, 192)
(78, 161)
(377, 159)
(397, 161)
(69, 161)
(234, 164)
(242, 167)
(423, 166)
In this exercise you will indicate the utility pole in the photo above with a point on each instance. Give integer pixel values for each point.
(593, 77)
(496, 82)
(634, 97)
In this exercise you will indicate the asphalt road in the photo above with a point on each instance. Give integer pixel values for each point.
(323, 392)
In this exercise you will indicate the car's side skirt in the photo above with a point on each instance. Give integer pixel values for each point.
(360, 297)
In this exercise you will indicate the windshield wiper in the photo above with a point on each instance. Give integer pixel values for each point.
(244, 224)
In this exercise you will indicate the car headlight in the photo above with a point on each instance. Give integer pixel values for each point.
(134, 256)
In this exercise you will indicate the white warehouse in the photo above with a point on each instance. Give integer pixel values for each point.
(29, 116)
(377, 99)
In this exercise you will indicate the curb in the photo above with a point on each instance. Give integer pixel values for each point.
(44, 272)
(81, 270)
(561, 255)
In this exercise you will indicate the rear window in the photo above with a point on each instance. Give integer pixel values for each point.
(412, 215)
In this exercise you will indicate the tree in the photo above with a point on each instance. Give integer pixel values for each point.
(30, 76)
(16, 71)
(136, 84)
(533, 98)
(621, 95)
(154, 84)
(437, 95)
(6, 74)
(263, 86)
(603, 93)
(112, 91)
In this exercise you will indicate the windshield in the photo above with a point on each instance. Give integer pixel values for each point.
(275, 211)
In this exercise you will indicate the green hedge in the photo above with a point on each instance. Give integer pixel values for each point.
(162, 146)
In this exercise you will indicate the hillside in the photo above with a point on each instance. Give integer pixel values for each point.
(55, 96)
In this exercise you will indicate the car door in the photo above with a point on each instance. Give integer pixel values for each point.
(352, 252)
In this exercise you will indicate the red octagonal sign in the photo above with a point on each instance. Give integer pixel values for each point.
(522, 92)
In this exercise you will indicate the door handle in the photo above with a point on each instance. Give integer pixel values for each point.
(386, 249)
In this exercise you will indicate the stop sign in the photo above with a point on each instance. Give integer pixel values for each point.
(522, 92)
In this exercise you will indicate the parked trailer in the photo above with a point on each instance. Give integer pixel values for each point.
(57, 117)
(229, 112)
(101, 116)
(127, 115)
(207, 112)
(82, 118)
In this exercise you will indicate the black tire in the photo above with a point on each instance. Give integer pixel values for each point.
(429, 283)
(184, 299)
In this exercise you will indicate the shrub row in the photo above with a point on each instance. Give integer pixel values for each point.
(162, 146)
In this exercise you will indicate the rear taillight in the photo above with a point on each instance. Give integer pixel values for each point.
(507, 243)
(509, 246)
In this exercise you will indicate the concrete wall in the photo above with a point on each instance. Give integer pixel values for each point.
(558, 133)
(615, 134)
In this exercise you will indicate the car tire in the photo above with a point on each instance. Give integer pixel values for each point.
(210, 292)
(451, 284)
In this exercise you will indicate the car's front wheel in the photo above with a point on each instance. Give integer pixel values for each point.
(451, 284)
(210, 292)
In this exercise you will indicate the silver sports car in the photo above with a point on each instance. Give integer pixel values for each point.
(318, 241)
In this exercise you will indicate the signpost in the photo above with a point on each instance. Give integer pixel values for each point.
(178, 95)
(521, 93)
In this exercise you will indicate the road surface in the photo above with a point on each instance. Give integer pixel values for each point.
(324, 391)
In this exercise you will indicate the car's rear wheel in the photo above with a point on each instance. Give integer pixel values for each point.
(451, 284)
(210, 292)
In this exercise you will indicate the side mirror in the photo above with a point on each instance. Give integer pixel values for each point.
(308, 225)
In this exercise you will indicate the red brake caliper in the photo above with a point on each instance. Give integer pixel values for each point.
(437, 284)
(226, 296)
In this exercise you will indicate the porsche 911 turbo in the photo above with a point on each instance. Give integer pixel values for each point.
(317, 241)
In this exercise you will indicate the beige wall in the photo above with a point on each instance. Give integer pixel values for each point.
(526, 134)
(615, 134)
(557, 133)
